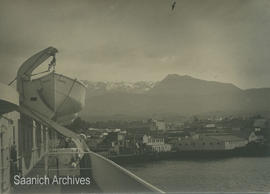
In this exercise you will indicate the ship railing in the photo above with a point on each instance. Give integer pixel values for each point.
(110, 177)
(4, 181)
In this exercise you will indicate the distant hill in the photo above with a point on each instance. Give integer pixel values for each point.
(174, 95)
(187, 85)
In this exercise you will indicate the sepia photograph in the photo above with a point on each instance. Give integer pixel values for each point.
(134, 96)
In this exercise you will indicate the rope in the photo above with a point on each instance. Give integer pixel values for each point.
(40, 73)
(12, 81)
(52, 64)
(64, 101)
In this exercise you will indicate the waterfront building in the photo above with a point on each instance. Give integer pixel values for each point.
(156, 143)
(255, 138)
(217, 142)
(157, 125)
(210, 125)
(115, 142)
(260, 124)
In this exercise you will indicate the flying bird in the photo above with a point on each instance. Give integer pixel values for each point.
(173, 5)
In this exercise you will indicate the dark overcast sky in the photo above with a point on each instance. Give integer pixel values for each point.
(130, 40)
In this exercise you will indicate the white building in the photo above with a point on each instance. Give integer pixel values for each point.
(210, 125)
(255, 138)
(157, 143)
(158, 125)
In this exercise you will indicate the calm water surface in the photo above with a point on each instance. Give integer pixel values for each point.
(228, 175)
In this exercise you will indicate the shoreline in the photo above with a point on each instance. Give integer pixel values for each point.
(248, 151)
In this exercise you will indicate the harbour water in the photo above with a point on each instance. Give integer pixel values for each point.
(239, 174)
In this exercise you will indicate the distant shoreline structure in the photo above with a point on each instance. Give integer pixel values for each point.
(251, 150)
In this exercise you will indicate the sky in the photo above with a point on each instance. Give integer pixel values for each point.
(141, 40)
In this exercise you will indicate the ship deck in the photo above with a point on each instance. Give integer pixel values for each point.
(39, 170)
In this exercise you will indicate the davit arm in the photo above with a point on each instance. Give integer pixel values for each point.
(26, 69)
(33, 62)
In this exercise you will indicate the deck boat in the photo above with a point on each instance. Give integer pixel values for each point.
(53, 95)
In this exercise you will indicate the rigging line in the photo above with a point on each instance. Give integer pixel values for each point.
(12, 81)
(37, 60)
(40, 73)
(9, 120)
(54, 61)
(66, 98)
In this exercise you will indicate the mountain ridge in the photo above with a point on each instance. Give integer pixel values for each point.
(175, 94)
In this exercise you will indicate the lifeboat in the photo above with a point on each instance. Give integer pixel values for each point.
(53, 95)
(63, 95)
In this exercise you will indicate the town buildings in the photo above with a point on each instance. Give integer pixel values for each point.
(161, 136)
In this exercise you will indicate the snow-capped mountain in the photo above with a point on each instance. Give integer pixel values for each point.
(175, 94)
(97, 88)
